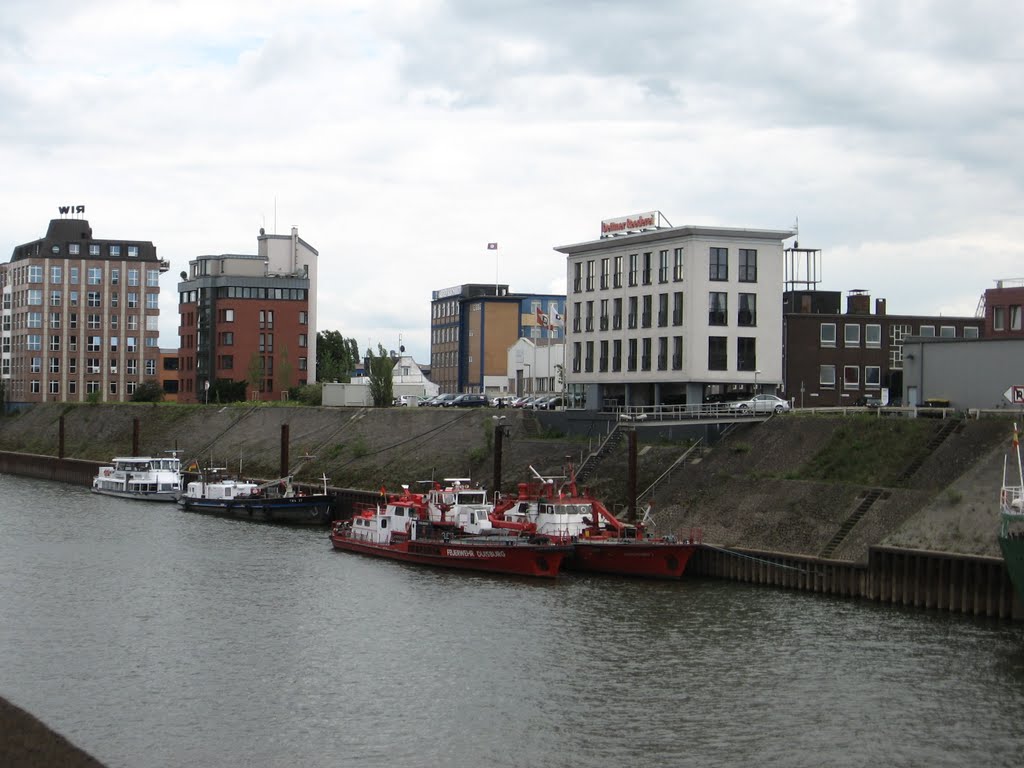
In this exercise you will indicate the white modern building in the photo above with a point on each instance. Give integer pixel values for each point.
(535, 367)
(673, 315)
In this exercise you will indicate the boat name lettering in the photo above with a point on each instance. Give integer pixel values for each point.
(470, 553)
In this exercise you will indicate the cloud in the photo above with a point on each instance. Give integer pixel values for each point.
(402, 136)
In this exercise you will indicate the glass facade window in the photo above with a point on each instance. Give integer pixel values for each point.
(718, 263)
(748, 265)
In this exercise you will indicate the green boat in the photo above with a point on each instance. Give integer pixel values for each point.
(1011, 518)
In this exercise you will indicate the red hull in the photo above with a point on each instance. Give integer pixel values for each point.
(498, 557)
(624, 557)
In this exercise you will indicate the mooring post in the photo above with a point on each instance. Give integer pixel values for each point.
(631, 477)
(284, 450)
(499, 436)
(135, 436)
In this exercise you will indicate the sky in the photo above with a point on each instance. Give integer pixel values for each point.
(402, 136)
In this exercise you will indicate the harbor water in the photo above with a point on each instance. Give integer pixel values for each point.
(151, 637)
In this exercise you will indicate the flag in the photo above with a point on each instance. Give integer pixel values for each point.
(559, 319)
(492, 246)
(542, 318)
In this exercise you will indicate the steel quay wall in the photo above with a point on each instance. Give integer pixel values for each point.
(74, 471)
(950, 583)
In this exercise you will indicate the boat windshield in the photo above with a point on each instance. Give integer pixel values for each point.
(471, 497)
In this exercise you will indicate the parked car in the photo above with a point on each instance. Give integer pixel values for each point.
(865, 401)
(411, 400)
(760, 404)
(548, 403)
(469, 400)
(502, 401)
(445, 398)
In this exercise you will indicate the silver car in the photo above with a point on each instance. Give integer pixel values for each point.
(760, 404)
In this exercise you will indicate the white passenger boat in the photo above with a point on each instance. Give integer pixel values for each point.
(147, 478)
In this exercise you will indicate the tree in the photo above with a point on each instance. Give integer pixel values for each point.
(254, 373)
(227, 391)
(284, 370)
(382, 384)
(336, 357)
(148, 392)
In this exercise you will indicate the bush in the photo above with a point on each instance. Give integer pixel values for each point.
(148, 392)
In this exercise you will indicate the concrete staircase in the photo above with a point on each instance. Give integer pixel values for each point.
(610, 443)
(949, 426)
(869, 498)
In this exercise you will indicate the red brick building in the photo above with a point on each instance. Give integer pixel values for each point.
(249, 318)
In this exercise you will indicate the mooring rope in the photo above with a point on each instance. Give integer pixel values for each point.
(756, 559)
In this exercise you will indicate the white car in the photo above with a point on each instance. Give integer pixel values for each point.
(760, 404)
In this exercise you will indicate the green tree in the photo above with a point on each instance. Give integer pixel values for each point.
(254, 373)
(382, 384)
(336, 357)
(227, 391)
(284, 370)
(148, 392)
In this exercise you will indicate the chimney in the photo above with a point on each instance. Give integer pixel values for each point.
(879, 306)
(858, 302)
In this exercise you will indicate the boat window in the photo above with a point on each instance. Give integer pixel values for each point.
(400, 512)
(383, 522)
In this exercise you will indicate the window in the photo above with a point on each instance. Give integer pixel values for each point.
(662, 310)
(603, 316)
(949, 331)
(132, 323)
(617, 273)
(998, 318)
(115, 276)
(73, 274)
(717, 308)
(54, 387)
(748, 265)
(55, 298)
(35, 273)
(1015, 317)
(226, 362)
(677, 308)
(577, 316)
(663, 266)
(55, 319)
(35, 386)
(55, 343)
(677, 353)
(633, 268)
(34, 342)
(717, 353)
(605, 271)
(151, 367)
(92, 365)
(152, 322)
(133, 300)
(746, 354)
(590, 275)
(133, 251)
(588, 360)
(828, 334)
(677, 265)
(152, 301)
(719, 264)
(92, 322)
(602, 357)
(970, 332)
(927, 330)
(617, 314)
(114, 341)
(577, 280)
(851, 335)
(827, 376)
(133, 277)
(94, 344)
(55, 274)
(873, 336)
(74, 249)
(113, 387)
(303, 317)
(152, 278)
(631, 355)
(92, 386)
(747, 315)
(35, 297)
(851, 377)
(631, 320)
(73, 298)
(645, 354)
(647, 268)
(36, 365)
(577, 357)
(663, 353)
(616, 355)
(131, 344)
(115, 250)
(302, 364)
(645, 317)
(35, 320)
(93, 299)
(114, 299)
(94, 275)
(227, 338)
(302, 340)
(872, 376)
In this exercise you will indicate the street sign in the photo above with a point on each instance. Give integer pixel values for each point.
(1015, 395)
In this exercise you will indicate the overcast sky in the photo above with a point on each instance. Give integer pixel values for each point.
(401, 136)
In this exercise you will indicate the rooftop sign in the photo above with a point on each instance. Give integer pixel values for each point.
(626, 225)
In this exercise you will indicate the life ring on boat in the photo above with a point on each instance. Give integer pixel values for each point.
(106, 473)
